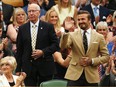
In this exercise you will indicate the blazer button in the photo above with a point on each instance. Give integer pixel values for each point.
(30, 60)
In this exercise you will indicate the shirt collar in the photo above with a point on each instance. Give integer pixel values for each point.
(37, 23)
(93, 6)
(88, 31)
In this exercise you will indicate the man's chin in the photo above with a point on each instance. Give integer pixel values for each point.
(83, 27)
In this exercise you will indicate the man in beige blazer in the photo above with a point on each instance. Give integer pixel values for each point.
(83, 67)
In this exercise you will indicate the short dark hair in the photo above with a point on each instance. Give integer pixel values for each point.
(84, 12)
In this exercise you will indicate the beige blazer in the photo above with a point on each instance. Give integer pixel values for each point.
(97, 45)
(4, 81)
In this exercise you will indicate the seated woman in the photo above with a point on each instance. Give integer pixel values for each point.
(7, 79)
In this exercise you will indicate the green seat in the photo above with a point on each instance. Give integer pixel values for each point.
(54, 83)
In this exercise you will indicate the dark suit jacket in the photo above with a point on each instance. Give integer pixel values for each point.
(104, 12)
(7, 12)
(112, 5)
(47, 7)
(46, 41)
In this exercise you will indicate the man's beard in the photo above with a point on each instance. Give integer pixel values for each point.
(83, 26)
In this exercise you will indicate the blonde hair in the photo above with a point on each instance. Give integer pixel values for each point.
(47, 17)
(16, 11)
(10, 60)
(60, 5)
(114, 14)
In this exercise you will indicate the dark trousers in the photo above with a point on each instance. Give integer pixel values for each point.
(81, 82)
(33, 82)
(35, 78)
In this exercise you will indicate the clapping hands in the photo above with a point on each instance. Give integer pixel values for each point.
(20, 79)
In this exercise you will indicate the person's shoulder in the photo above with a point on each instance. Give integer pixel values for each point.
(104, 9)
(97, 34)
(25, 24)
(45, 23)
(1, 77)
(86, 7)
(55, 7)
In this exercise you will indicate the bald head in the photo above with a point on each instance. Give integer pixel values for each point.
(34, 5)
(33, 12)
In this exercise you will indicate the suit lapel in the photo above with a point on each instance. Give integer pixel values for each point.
(80, 42)
(91, 12)
(93, 38)
(39, 32)
(28, 32)
(100, 12)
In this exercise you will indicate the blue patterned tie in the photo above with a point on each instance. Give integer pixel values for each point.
(95, 11)
(85, 42)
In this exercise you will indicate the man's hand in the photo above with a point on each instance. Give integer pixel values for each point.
(37, 53)
(97, 18)
(85, 61)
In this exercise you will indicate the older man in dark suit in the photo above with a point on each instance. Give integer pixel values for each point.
(35, 48)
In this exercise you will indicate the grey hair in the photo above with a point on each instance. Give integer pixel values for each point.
(101, 24)
(36, 5)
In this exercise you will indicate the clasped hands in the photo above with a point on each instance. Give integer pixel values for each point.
(37, 53)
(85, 61)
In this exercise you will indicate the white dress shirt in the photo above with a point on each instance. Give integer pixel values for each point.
(88, 34)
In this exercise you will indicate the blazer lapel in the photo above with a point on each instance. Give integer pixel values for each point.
(28, 32)
(40, 27)
(100, 12)
(93, 38)
(80, 42)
